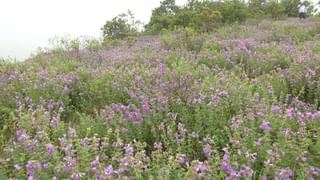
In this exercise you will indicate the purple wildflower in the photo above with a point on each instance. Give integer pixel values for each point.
(69, 163)
(128, 149)
(45, 165)
(290, 112)
(259, 114)
(31, 166)
(246, 171)
(108, 170)
(78, 175)
(207, 150)
(316, 115)
(265, 125)
(157, 145)
(55, 120)
(21, 135)
(258, 142)
(275, 108)
(177, 137)
(286, 132)
(181, 128)
(200, 168)
(94, 164)
(17, 167)
(66, 90)
(285, 174)
(51, 104)
(32, 145)
(224, 165)
(194, 134)
(49, 148)
(314, 171)
(61, 109)
(182, 159)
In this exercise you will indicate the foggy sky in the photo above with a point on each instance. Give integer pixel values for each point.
(26, 25)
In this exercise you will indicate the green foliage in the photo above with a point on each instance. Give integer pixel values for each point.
(185, 38)
(61, 45)
(192, 41)
(291, 7)
(243, 100)
(206, 16)
(275, 8)
(169, 41)
(162, 17)
(203, 16)
(301, 36)
(257, 7)
(160, 22)
(184, 17)
(121, 26)
(206, 19)
(232, 11)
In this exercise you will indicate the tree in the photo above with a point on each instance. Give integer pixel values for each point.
(167, 7)
(291, 7)
(193, 3)
(206, 19)
(232, 10)
(257, 6)
(275, 9)
(121, 26)
(184, 17)
(163, 16)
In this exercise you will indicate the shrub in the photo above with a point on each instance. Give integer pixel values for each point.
(121, 26)
(275, 9)
(163, 17)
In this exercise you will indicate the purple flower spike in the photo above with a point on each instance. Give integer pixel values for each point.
(49, 148)
(182, 159)
(108, 170)
(207, 150)
(275, 109)
(265, 125)
(128, 149)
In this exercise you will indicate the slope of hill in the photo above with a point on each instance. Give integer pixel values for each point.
(242, 101)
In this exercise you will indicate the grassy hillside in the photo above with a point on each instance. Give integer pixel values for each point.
(242, 101)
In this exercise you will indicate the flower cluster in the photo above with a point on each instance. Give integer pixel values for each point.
(244, 105)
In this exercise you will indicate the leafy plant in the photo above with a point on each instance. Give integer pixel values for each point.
(121, 26)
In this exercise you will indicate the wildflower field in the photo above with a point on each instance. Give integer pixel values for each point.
(241, 102)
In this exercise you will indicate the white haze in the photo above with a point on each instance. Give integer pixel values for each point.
(26, 25)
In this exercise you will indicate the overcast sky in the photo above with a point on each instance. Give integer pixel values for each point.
(26, 25)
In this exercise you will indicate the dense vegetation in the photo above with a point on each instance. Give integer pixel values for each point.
(240, 101)
(202, 16)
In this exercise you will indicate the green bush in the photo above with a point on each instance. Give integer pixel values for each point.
(163, 17)
(275, 9)
(121, 26)
(291, 7)
(232, 11)
(203, 16)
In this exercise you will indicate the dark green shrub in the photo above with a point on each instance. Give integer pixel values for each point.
(275, 9)
(121, 26)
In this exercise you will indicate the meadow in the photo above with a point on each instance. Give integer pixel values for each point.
(241, 102)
